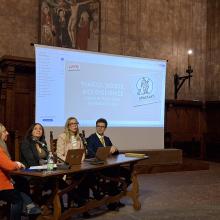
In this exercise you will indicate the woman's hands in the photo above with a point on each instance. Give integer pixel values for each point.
(20, 165)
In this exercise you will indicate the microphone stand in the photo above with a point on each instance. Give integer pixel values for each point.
(83, 138)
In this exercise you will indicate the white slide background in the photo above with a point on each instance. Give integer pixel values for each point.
(128, 91)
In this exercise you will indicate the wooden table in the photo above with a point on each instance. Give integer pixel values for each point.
(86, 167)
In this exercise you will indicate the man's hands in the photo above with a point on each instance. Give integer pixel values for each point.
(113, 149)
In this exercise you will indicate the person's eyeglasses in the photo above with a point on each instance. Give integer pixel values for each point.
(73, 123)
(100, 126)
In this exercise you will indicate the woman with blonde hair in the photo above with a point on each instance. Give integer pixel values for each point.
(7, 191)
(69, 139)
(17, 196)
(3, 137)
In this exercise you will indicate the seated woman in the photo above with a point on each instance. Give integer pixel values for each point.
(32, 153)
(67, 140)
(7, 191)
(20, 201)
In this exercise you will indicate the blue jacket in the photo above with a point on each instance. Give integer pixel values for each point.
(93, 143)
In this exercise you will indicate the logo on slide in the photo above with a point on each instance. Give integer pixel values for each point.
(73, 67)
(144, 86)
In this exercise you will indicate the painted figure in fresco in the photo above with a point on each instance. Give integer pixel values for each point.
(58, 4)
(73, 20)
(83, 31)
(62, 23)
(60, 17)
(94, 26)
(94, 31)
(66, 24)
(48, 29)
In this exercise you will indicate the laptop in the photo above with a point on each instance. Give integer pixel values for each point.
(74, 156)
(101, 155)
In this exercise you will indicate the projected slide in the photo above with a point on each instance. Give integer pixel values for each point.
(127, 91)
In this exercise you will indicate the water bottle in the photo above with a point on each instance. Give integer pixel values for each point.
(50, 162)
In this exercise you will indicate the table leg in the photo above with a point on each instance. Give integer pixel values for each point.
(55, 198)
(134, 192)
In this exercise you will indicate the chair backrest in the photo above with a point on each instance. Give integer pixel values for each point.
(53, 143)
(13, 143)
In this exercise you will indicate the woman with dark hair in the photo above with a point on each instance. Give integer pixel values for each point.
(32, 153)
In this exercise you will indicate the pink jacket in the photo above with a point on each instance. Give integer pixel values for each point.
(63, 146)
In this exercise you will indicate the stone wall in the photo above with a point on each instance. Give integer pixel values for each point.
(19, 27)
(159, 29)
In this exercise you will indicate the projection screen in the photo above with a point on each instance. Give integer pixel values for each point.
(127, 91)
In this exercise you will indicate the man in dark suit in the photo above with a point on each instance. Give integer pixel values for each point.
(97, 140)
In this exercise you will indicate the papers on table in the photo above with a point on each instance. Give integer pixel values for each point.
(42, 167)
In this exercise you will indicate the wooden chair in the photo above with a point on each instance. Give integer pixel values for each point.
(53, 143)
(13, 143)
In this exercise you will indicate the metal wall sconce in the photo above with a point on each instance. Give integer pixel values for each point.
(179, 80)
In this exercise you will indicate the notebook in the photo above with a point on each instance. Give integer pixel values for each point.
(74, 156)
(101, 155)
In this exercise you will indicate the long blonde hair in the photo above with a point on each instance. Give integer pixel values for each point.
(67, 130)
(2, 128)
(2, 142)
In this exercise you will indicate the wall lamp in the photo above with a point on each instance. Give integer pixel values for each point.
(179, 80)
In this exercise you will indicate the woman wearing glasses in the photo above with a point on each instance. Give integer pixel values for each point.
(69, 139)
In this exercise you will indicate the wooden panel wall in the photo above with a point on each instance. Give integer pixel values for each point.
(17, 95)
(185, 124)
(212, 135)
(213, 116)
(185, 118)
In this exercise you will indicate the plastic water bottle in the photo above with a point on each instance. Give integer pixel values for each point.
(50, 162)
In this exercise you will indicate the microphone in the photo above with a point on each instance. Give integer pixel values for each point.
(42, 144)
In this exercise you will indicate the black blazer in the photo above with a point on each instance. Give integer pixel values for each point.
(29, 154)
(93, 143)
